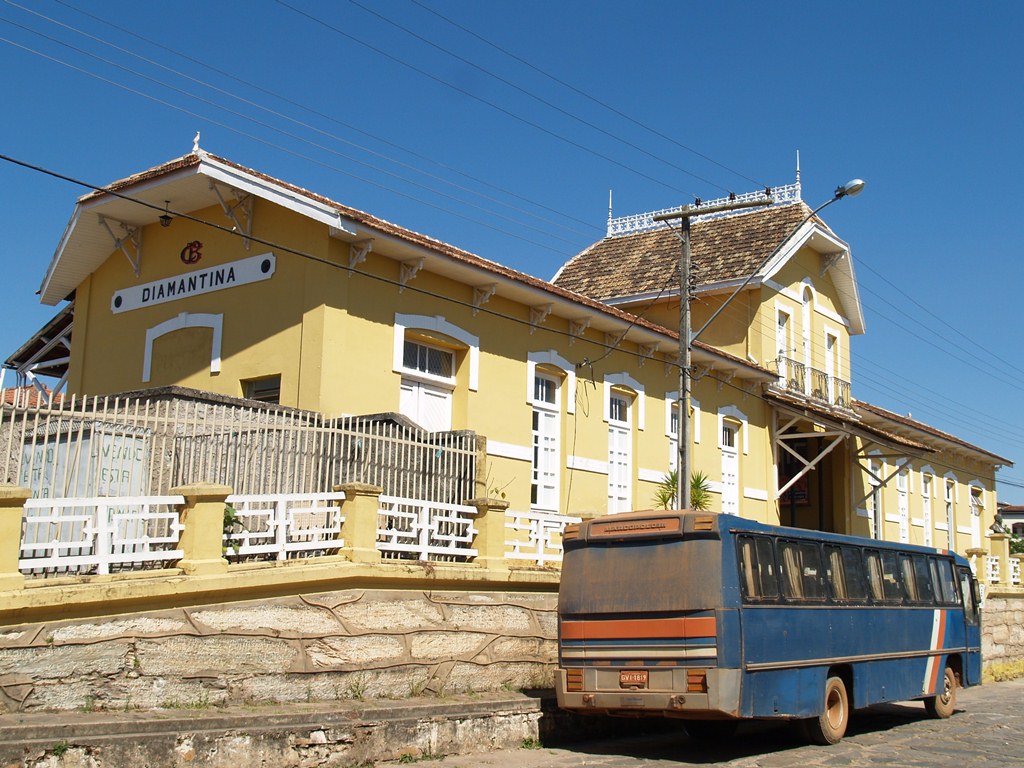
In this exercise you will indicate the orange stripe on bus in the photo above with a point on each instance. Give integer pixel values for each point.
(940, 641)
(622, 629)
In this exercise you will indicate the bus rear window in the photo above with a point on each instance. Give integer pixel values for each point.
(757, 568)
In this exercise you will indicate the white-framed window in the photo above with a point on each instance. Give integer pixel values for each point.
(672, 426)
(620, 450)
(428, 379)
(874, 499)
(728, 441)
(926, 506)
(546, 434)
(782, 344)
(832, 365)
(977, 502)
(950, 499)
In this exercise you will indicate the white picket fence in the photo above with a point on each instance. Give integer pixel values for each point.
(536, 536)
(98, 535)
(284, 526)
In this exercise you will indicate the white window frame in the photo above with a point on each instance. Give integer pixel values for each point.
(546, 412)
(733, 413)
(620, 495)
(625, 381)
(437, 324)
(551, 358)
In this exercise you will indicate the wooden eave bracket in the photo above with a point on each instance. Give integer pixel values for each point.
(829, 260)
(577, 328)
(132, 235)
(243, 205)
(482, 294)
(646, 352)
(357, 253)
(409, 270)
(539, 314)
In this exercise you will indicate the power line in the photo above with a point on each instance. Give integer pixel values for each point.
(726, 382)
(586, 95)
(491, 104)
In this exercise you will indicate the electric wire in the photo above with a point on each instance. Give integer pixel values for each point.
(537, 98)
(314, 144)
(586, 95)
(470, 95)
(722, 381)
(300, 123)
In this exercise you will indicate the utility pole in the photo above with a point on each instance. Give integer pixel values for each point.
(683, 439)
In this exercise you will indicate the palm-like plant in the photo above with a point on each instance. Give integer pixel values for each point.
(700, 491)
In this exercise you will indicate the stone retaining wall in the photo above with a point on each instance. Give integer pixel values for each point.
(327, 646)
(1002, 635)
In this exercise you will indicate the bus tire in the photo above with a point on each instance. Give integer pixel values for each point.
(830, 726)
(943, 705)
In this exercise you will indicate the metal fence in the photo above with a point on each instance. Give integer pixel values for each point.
(147, 444)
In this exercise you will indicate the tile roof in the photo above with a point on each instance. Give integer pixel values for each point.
(905, 421)
(725, 248)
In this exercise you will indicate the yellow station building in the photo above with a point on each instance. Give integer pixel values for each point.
(206, 274)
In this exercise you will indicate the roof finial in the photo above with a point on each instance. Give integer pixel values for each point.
(195, 144)
(799, 196)
(609, 207)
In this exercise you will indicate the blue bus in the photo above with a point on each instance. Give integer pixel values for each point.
(712, 619)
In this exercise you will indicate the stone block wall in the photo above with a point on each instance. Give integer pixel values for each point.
(1002, 630)
(335, 645)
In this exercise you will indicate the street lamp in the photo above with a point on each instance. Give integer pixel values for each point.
(849, 189)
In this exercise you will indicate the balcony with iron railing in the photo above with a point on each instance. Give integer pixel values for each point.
(797, 378)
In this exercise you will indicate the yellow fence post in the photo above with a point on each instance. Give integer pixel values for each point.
(202, 540)
(12, 510)
(361, 508)
(489, 541)
(1001, 551)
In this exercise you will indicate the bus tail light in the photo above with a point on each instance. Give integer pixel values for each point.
(697, 681)
(571, 532)
(703, 523)
(574, 679)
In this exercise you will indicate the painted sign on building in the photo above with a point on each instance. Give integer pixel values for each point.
(86, 463)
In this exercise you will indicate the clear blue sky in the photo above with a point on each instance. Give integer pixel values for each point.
(921, 99)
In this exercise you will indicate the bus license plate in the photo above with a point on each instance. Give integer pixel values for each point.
(632, 678)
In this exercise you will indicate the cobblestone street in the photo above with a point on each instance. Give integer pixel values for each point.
(987, 730)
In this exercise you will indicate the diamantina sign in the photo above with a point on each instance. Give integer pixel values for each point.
(250, 270)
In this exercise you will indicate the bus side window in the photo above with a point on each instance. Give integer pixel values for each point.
(891, 577)
(873, 561)
(970, 595)
(844, 572)
(757, 568)
(925, 588)
(909, 578)
(800, 570)
(942, 577)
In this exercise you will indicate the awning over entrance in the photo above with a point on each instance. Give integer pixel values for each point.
(46, 353)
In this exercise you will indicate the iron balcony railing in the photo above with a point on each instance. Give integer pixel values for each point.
(795, 377)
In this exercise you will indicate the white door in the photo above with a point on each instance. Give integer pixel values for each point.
(806, 339)
(620, 492)
(428, 406)
(545, 460)
(830, 367)
(950, 515)
(903, 505)
(782, 347)
(926, 508)
(730, 470)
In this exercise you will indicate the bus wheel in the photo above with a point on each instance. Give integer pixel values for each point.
(830, 726)
(942, 706)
